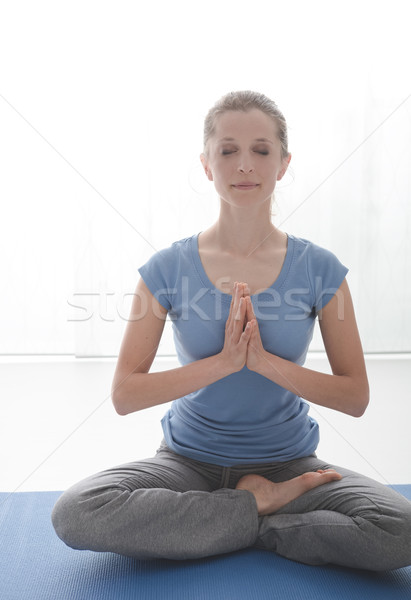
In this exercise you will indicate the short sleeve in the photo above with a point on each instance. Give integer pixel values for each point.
(326, 274)
(158, 274)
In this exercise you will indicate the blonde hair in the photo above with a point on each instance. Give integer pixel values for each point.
(245, 101)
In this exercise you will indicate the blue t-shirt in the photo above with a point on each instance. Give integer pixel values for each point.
(242, 418)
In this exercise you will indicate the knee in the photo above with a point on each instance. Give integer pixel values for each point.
(66, 519)
(83, 515)
(396, 546)
(405, 536)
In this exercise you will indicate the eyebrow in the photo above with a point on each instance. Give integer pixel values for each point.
(230, 139)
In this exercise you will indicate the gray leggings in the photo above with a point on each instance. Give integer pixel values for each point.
(174, 507)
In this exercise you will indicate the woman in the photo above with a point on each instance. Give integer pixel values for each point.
(238, 466)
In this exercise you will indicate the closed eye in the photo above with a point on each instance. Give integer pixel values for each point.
(228, 152)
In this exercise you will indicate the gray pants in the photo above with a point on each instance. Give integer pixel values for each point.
(174, 507)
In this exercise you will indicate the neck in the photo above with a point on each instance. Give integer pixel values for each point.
(240, 231)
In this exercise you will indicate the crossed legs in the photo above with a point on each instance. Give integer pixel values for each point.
(174, 507)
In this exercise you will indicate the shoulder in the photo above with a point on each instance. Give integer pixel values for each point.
(164, 268)
(312, 255)
(165, 264)
(308, 248)
(323, 269)
(173, 251)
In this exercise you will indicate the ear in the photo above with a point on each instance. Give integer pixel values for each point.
(204, 162)
(286, 162)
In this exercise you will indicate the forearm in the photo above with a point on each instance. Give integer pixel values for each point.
(137, 391)
(347, 394)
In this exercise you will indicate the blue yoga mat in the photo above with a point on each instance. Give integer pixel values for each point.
(36, 565)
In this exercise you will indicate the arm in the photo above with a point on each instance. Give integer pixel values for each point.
(134, 388)
(346, 390)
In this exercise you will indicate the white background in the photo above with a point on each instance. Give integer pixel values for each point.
(101, 113)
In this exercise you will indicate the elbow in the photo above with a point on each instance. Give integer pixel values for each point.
(126, 399)
(361, 404)
(119, 405)
(124, 405)
(120, 409)
(358, 411)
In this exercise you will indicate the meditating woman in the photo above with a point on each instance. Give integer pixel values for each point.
(237, 466)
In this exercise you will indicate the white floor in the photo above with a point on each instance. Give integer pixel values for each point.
(58, 425)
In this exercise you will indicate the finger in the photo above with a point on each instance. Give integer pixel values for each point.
(254, 329)
(243, 288)
(230, 314)
(241, 309)
(246, 335)
(242, 299)
(255, 335)
(234, 299)
(250, 309)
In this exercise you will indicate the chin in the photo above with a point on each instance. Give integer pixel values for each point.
(247, 199)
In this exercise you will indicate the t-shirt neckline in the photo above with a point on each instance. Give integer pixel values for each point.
(274, 286)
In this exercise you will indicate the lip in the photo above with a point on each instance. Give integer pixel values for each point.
(245, 185)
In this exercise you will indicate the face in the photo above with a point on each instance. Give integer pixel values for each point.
(244, 157)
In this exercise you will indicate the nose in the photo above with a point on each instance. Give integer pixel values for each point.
(245, 164)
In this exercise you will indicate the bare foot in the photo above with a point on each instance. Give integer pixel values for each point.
(271, 496)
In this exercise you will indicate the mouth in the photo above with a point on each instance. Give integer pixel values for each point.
(245, 185)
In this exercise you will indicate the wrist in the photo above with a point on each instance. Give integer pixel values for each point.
(220, 365)
(261, 363)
